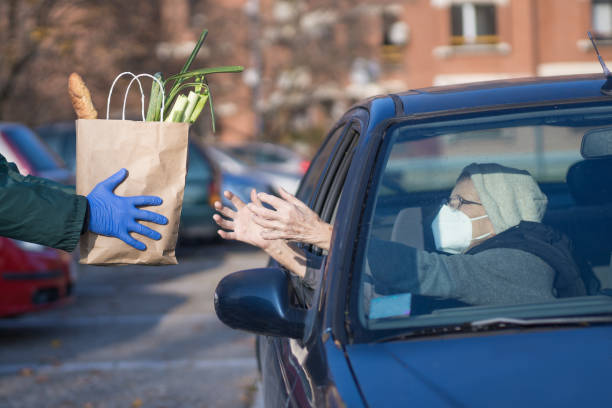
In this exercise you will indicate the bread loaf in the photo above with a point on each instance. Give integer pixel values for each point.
(80, 97)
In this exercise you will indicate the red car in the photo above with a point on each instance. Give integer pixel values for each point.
(32, 276)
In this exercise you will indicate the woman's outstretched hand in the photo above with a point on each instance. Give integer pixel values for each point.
(239, 224)
(292, 220)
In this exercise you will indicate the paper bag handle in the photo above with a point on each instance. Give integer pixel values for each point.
(111, 92)
(161, 88)
(142, 95)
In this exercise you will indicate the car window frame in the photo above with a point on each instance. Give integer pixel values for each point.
(332, 198)
(339, 160)
(341, 126)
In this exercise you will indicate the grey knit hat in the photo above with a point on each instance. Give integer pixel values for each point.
(508, 195)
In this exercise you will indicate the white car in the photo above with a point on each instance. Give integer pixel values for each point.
(288, 180)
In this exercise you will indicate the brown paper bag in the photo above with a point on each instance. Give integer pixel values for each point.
(155, 155)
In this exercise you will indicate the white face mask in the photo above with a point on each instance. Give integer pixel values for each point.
(452, 230)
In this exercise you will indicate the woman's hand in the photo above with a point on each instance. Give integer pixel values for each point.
(292, 220)
(239, 224)
(241, 227)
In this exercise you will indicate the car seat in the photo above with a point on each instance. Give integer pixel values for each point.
(408, 228)
(589, 222)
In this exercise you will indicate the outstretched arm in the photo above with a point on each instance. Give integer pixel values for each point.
(38, 210)
(239, 226)
(291, 220)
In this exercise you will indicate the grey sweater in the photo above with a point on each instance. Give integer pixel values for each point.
(494, 276)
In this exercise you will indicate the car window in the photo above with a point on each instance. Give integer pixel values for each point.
(263, 157)
(312, 178)
(198, 167)
(344, 158)
(29, 146)
(62, 141)
(198, 175)
(262, 154)
(548, 223)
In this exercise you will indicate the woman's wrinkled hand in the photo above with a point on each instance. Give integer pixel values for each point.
(240, 223)
(290, 220)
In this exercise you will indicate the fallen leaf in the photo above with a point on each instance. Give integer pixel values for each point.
(56, 343)
(88, 405)
(137, 403)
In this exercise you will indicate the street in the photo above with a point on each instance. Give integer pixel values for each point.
(134, 336)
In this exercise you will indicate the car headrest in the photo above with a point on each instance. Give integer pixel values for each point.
(590, 181)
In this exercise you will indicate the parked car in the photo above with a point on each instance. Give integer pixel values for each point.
(20, 145)
(382, 172)
(202, 184)
(240, 178)
(32, 276)
(278, 165)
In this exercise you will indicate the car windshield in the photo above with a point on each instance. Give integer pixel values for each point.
(261, 154)
(29, 146)
(526, 232)
(62, 139)
(226, 161)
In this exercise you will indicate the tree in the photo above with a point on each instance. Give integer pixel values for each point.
(42, 41)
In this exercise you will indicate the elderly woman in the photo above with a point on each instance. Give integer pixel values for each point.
(492, 246)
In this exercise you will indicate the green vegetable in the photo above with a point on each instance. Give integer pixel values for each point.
(176, 114)
(192, 100)
(178, 78)
(199, 107)
(155, 99)
(185, 108)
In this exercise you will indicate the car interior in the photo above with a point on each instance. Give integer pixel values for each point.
(588, 223)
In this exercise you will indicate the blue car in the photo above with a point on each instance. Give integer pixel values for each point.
(380, 176)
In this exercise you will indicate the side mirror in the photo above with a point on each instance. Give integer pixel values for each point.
(597, 143)
(257, 300)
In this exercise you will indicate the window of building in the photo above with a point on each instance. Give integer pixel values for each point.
(395, 34)
(602, 18)
(473, 23)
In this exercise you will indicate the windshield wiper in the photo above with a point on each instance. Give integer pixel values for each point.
(503, 322)
(498, 323)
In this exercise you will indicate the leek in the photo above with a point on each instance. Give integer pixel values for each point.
(176, 114)
(185, 108)
(155, 100)
(199, 107)
(192, 100)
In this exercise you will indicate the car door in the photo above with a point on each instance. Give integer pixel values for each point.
(289, 368)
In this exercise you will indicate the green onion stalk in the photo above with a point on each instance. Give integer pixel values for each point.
(179, 107)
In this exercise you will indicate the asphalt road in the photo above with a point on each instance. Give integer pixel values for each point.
(134, 337)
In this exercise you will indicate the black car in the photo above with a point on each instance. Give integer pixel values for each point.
(202, 184)
(380, 175)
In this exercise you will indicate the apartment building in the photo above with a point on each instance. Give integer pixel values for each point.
(307, 61)
(454, 41)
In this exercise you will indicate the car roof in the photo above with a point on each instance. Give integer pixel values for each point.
(490, 95)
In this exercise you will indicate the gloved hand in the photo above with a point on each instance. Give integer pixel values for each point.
(116, 216)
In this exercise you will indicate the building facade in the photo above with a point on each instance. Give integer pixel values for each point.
(462, 41)
(307, 61)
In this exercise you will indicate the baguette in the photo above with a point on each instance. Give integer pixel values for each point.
(80, 97)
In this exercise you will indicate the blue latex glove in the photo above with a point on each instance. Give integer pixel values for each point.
(116, 216)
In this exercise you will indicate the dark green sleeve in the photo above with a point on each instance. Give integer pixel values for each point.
(38, 210)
